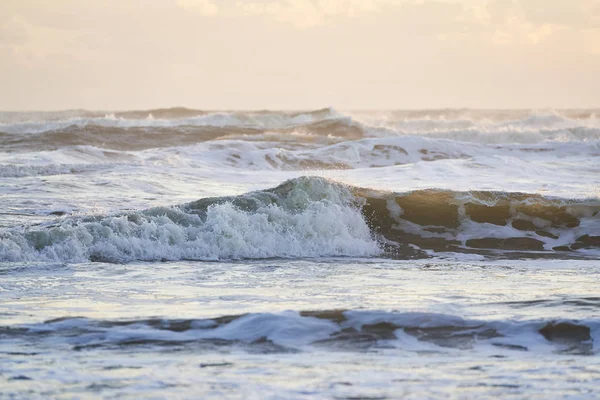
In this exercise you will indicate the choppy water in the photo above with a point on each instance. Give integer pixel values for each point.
(320, 254)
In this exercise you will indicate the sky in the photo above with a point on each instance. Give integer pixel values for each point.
(299, 54)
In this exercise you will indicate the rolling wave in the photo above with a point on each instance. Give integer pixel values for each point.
(354, 330)
(259, 120)
(140, 130)
(147, 137)
(315, 217)
(483, 222)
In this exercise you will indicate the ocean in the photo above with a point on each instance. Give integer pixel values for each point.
(324, 254)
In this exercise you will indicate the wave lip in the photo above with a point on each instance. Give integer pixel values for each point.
(315, 217)
(348, 329)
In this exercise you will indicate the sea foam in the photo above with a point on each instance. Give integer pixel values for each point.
(307, 217)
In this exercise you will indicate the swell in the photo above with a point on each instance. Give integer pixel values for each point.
(41, 122)
(334, 130)
(116, 138)
(315, 217)
(139, 130)
(137, 138)
(339, 329)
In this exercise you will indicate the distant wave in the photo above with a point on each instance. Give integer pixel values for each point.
(315, 217)
(349, 330)
(370, 152)
(259, 120)
(19, 171)
(291, 151)
(140, 138)
(139, 130)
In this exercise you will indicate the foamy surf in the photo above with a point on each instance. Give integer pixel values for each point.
(307, 217)
(315, 217)
(435, 246)
(138, 130)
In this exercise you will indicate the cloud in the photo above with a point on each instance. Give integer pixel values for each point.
(527, 23)
(31, 44)
(305, 13)
(543, 15)
(203, 7)
(13, 31)
(297, 13)
(487, 22)
(583, 14)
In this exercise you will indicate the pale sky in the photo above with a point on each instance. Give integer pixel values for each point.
(299, 54)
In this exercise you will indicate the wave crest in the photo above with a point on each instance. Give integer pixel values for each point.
(314, 217)
(306, 217)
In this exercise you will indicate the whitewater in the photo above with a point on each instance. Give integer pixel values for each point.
(181, 253)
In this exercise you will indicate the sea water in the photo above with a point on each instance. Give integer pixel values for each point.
(178, 253)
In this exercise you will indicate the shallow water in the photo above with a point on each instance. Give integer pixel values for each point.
(338, 327)
(441, 254)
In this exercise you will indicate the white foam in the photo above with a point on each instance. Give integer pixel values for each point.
(19, 171)
(365, 153)
(487, 127)
(314, 219)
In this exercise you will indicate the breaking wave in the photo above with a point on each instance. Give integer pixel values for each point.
(315, 217)
(140, 130)
(289, 152)
(307, 217)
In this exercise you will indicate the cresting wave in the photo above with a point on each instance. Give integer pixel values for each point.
(314, 217)
(306, 217)
(139, 130)
(354, 330)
